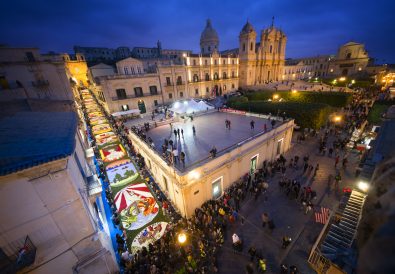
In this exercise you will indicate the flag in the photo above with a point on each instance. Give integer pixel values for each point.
(322, 216)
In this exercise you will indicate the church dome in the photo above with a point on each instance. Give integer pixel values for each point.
(209, 40)
(209, 33)
(248, 28)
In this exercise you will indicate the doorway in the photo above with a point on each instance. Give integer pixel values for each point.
(253, 164)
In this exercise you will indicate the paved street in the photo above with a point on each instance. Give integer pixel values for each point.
(287, 215)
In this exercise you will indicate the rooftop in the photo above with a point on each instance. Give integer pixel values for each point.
(29, 139)
(210, 131)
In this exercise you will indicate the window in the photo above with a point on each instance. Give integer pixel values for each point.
(138, 91)
(132, 70)
(233, 74)
(168, 82)
(207, 90)
(121, 93)
(153, 90)
(224, 88)
(205, 62)
(348, 56)
(138, 70)
(271, 49)
(155, 102)
(224, 75)
(207, 77)
(233, 85)
(30, 56)
(279, 146)
(165, 183)
(217, 188)
(181, 94)
(244, 47)
(215, 76)
(224, 62)
(125, 107)
(196, 91)
(194, 62)
(251, 46)
(179, 80)
(253, 164)
(170, 96)
(126, 70)
(233, 62)
(195, 78)
(215, 62)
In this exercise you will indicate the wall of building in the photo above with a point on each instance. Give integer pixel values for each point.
(188, 192)
(32, 77)
(128, 83)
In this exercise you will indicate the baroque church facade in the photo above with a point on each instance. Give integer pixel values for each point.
(258, 62)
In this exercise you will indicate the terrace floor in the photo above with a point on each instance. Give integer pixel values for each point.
(210, 131)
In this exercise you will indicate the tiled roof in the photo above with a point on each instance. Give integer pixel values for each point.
(28, 139)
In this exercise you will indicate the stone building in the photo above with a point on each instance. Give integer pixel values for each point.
(26, 74)
(306, 68)
(261, 62)
(203, 177)
(351, 59)
(44, 196)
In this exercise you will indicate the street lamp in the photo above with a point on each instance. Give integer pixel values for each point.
(294, 91)
(364, 186)
(276, 96)
(337, 118)
(182, 238)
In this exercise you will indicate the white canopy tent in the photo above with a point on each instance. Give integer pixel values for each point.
(190, 106)
(126, 112)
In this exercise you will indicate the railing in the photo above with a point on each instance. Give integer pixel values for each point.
(22, 257)
(180, 83)
(122, 98)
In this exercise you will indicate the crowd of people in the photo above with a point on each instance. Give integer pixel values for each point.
(206, 229)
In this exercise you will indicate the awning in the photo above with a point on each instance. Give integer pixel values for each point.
(127, 112)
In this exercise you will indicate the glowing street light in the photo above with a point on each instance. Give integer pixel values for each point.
(276, 96)
(337, 118)
(364, 186)
(342, 79)
(294, 91)
(182, 237)
(353, 81)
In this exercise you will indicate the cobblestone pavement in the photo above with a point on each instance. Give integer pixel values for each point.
(288, 217)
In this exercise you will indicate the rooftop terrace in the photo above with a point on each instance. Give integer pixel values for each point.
(210, 131)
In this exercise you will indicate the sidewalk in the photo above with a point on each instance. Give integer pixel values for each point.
(287, 215)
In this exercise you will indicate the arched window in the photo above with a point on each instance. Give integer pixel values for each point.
(215, 76)
(251, 46)
(195, 78)
(348, 56)
(207, 77)
(224, 75)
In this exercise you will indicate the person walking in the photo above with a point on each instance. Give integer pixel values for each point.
(193, 130)
(265, 219)
(182, 133)
(175, 155)
(178, 132)
(182, 158)
(175, 132)
(252, 124)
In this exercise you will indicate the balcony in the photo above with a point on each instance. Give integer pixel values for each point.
(169, 84)
(116, 98)
(40, 83)
(180, 83)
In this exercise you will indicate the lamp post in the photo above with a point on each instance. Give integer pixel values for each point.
(182, 238)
